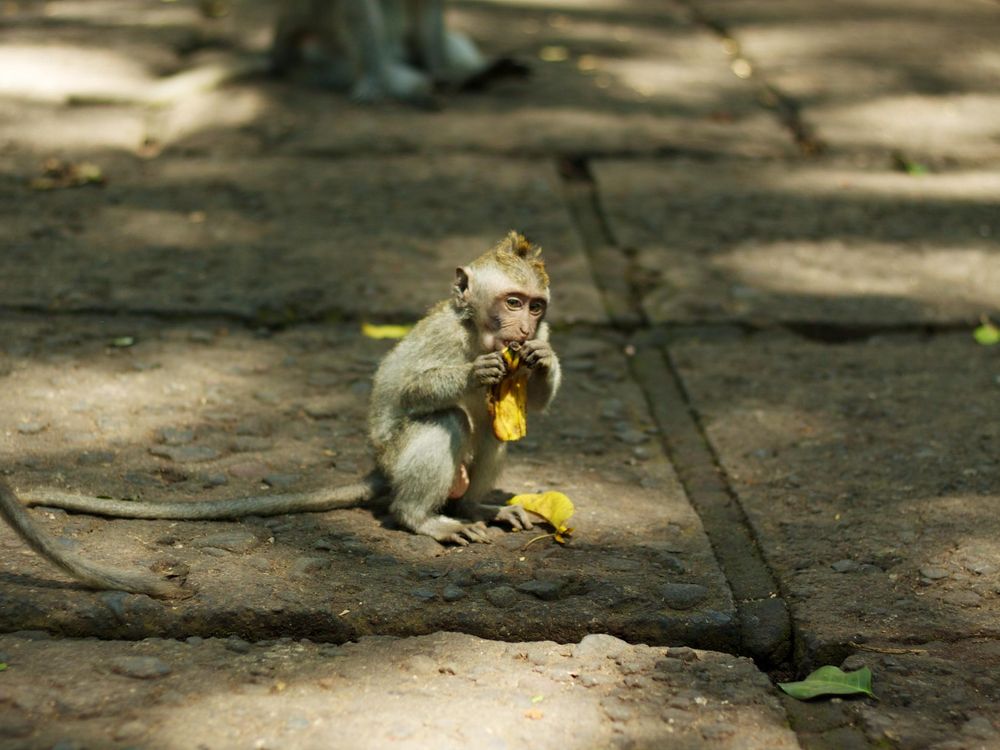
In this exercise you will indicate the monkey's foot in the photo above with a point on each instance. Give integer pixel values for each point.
(518, 518)
(398, 82)
(450, 530)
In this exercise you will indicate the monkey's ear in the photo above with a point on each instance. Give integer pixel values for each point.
(461, 282)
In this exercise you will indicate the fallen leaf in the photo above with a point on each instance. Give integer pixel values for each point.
(2, 666)
(831, 681)
(987, 334)
(534, 714)
(123, 342)
(57, 174)
(384, 332)
(554, 54)
(552, 507)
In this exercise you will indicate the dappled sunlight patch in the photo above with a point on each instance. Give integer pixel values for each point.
(55, 73)
(137, 229)
(938, 278)
(834, 181)
(962, 125)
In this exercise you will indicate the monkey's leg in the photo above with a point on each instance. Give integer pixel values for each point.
(429, 456)
(489, 457)
(381, 76)
(427, 18)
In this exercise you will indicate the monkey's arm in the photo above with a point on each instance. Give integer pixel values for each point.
(436, 388)
(91, 574)
(545, 373)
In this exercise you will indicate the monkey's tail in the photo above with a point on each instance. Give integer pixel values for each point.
(91, 574)
(369, 488)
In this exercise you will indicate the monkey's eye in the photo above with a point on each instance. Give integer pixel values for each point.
(537, 307)
(514, 303)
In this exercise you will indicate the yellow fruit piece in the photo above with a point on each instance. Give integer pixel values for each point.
(553, 506)
(509, 401)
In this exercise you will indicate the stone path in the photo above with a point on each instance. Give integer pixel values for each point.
(771, 228)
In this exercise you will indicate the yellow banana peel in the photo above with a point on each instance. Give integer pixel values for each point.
(508, 401)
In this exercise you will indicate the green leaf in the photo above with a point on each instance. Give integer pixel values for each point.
(123, 341)
(2, 666)
(830, 681)
(987, 334)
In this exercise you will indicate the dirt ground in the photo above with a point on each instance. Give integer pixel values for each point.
(771, 229)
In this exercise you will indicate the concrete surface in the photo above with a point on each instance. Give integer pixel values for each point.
(771, 229)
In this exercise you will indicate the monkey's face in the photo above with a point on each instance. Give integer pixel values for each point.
(512, 318)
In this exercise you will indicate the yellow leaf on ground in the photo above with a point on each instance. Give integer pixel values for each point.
(384, 332)
(554, 507)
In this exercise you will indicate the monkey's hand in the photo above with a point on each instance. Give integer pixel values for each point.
(538, 353)
(488, 369)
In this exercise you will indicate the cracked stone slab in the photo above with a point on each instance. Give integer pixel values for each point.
(638, 566)
(445, 690)
(868, 471)
(822, 242)
(938, 695)
(877, 77)
(278, 239)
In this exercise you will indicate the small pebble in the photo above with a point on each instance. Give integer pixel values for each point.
(452, 593)
(140, 667)
(185, 453)
(237, 645)
(933, 573)
(844, 566)
(31, 428)
(545, 590)
(238, 540)
(502, 596)
(282, 480)
(683, 595)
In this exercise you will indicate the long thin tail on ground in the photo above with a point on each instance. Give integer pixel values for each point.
(349, 496)
(89, 573)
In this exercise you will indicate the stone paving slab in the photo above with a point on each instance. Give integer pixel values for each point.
(445, 690)
(868, 472)
(192, 412)
(863, 465)
(874, 77)
(279, 239)
(611, 80)
(820, 243)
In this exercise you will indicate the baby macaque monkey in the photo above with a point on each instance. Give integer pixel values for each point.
(429, 424)
(379, 49)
